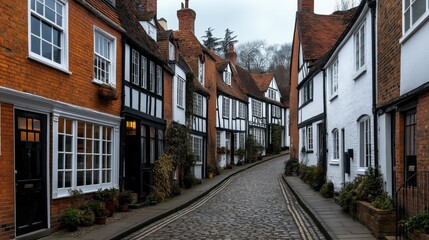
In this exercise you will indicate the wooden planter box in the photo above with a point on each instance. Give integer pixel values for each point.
(380, 222)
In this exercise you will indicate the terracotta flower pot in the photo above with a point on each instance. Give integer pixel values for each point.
(100, 220)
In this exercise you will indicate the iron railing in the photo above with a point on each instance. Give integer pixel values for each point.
(411, 198)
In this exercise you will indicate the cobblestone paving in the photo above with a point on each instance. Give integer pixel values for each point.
(251, 207)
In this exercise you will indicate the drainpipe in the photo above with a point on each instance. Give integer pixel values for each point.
(372, 4)
(324, 130)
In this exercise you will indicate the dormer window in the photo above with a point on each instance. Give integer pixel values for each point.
(171, 51)
(149, 27)
(272, 94)
(227, 77)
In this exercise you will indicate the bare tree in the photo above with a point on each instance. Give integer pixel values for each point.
(251, 55)
(343, 5)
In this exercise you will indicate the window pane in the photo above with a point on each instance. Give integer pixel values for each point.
(418, 8)
(35, 45)
(46, 50)
(35, 26)
(50, 3)
(49, 14)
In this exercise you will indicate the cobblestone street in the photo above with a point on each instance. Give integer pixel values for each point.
(252, 206)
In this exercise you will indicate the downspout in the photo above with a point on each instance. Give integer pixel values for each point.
(372, 5)
(324, 130)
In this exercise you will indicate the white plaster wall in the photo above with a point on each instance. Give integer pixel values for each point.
(315, 107)
(354, 100)
(415, 58)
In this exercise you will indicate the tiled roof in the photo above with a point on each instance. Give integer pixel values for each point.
(128, 10)
(263, 80)
(248, 84)
(146, 16)
(319, 33)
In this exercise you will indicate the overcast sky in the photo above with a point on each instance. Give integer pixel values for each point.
(270, 20)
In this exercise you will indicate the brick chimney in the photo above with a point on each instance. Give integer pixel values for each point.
(231, 55)
(186, 17)
(306, 5)
(149, 5)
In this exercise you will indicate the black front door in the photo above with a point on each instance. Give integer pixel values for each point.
(30, 172)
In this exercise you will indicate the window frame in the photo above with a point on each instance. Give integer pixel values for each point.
(64, 42)
(199, 155)
(225, 107)
(276, 111)
(227, 77)
(333, 79)
(365, 144)
(335, 145)
(201, 71)
(76, 139)
(159, 81)
(412, 23)
(241, 110)
(256, 108)
(112, 52)
(360, 48)
(307, 93)
(143, 69)
(181, 92)
(198, 104)
(171, 51)
(152, 76)
(135, 72)
(272, 94)
(309, 138)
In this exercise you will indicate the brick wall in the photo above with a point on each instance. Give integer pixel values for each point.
(389, 50)
(19, 72)
(7, 174)
(422, 130)
(210, 83)
(380, 222)
(293, 101)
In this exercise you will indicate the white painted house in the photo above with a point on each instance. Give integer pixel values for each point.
(317, 35)
(231, 107)
(348, 89)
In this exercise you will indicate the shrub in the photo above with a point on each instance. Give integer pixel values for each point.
(175, 191)
(71, 218)
(327, 189)
(383, 202)
(105, 195)
(291, 167)
(98, 208)
(418, 221)
(162, 172)
(124, 197)
(213, 167)
(372, 184)
(87, 217)
(346, 198)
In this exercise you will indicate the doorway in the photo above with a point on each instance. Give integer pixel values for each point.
(30, 172)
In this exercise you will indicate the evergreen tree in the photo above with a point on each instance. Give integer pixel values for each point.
(209, 41)
(228, 39)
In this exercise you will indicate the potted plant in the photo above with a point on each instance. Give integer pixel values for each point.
(108, 196)
(87, 216)
(71, 218)
(99, 210)
(152, 199)
(124, 199)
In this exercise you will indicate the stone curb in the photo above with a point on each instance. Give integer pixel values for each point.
(327, 232)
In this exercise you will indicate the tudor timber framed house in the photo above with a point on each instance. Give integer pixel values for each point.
(59, 131)
(143, 123)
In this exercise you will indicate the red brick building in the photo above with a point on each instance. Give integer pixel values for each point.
(60, 78)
